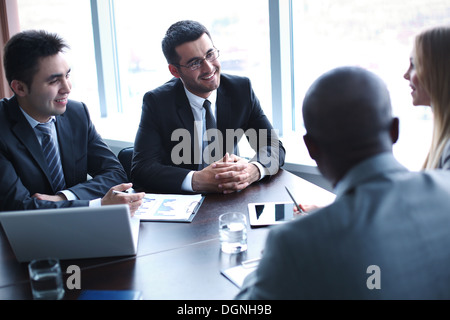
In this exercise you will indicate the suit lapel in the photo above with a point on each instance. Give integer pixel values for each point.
(224, 118)
(26, 135)
(65, 135)
(184, 112)
(223, 111)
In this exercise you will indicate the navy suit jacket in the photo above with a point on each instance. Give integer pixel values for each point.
(23, 170)
(167, 109)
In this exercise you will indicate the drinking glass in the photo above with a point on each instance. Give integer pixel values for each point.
(46, 279)
(233, 232)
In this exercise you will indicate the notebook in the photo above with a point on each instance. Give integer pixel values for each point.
(71, 233)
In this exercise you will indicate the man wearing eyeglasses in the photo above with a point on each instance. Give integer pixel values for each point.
(190, 126)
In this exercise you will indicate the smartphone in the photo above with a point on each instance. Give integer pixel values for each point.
(270, 213)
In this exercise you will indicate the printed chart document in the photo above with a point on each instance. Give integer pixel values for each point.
(169, 207)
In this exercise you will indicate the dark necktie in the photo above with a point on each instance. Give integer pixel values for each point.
(210, 124)
(52, 157)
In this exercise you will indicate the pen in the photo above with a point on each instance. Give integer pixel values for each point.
(295, 202)
(250, 263)
(119, 192)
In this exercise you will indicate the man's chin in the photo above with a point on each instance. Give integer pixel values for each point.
(57, 111)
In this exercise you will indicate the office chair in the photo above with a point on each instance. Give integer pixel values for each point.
(125, 157)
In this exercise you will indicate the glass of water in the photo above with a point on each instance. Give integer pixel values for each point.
(46, 279)
(233, 232)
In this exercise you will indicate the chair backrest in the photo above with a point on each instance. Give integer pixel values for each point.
(125, 157)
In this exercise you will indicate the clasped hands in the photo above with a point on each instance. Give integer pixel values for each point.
(228, 175)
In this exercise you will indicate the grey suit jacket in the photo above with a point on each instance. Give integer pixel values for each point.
(386, 236)
(24, 172)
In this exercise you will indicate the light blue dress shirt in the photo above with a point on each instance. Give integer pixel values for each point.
(33, 123)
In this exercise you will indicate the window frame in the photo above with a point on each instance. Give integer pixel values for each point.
(282, 80)
(9, 25)
(106, 53)
(110, 93)
(281, 59)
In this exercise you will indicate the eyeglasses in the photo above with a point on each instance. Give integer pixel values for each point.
(194, 65)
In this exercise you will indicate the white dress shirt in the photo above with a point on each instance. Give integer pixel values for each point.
(198, 111)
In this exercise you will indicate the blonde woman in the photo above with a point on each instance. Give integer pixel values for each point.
(429, 77)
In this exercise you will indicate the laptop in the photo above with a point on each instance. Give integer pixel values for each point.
(71, 233)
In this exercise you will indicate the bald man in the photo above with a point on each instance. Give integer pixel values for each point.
(386, 236)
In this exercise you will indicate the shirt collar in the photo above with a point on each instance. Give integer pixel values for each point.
(33, 123)
(368, 169)
(197, 102)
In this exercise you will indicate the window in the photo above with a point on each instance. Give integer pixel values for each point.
(376, 35)
(281, 45)
(142, 65)
(72, 21)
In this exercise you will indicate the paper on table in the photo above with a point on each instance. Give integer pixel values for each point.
(238, 273)
(169, 207)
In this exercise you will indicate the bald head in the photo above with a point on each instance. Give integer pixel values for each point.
(347, 113)
(347, 105)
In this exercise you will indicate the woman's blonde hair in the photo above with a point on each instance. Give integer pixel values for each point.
(432, 59)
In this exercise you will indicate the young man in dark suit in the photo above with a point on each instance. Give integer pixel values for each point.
(48, 144)
(190, 126)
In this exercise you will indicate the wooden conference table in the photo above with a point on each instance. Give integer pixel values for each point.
(175, 261)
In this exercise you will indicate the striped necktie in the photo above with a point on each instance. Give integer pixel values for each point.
(52, 157)
(210, 124)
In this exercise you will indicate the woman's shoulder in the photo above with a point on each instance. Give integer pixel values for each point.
(444, 161)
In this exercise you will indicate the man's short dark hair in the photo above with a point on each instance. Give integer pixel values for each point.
(24, 50)
(179, 33)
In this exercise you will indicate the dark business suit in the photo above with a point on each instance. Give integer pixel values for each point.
(24, 172)
(167, 109)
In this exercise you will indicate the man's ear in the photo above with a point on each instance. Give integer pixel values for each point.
(395, 130)
(174, 71)
(19, 88)
(312, 147)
